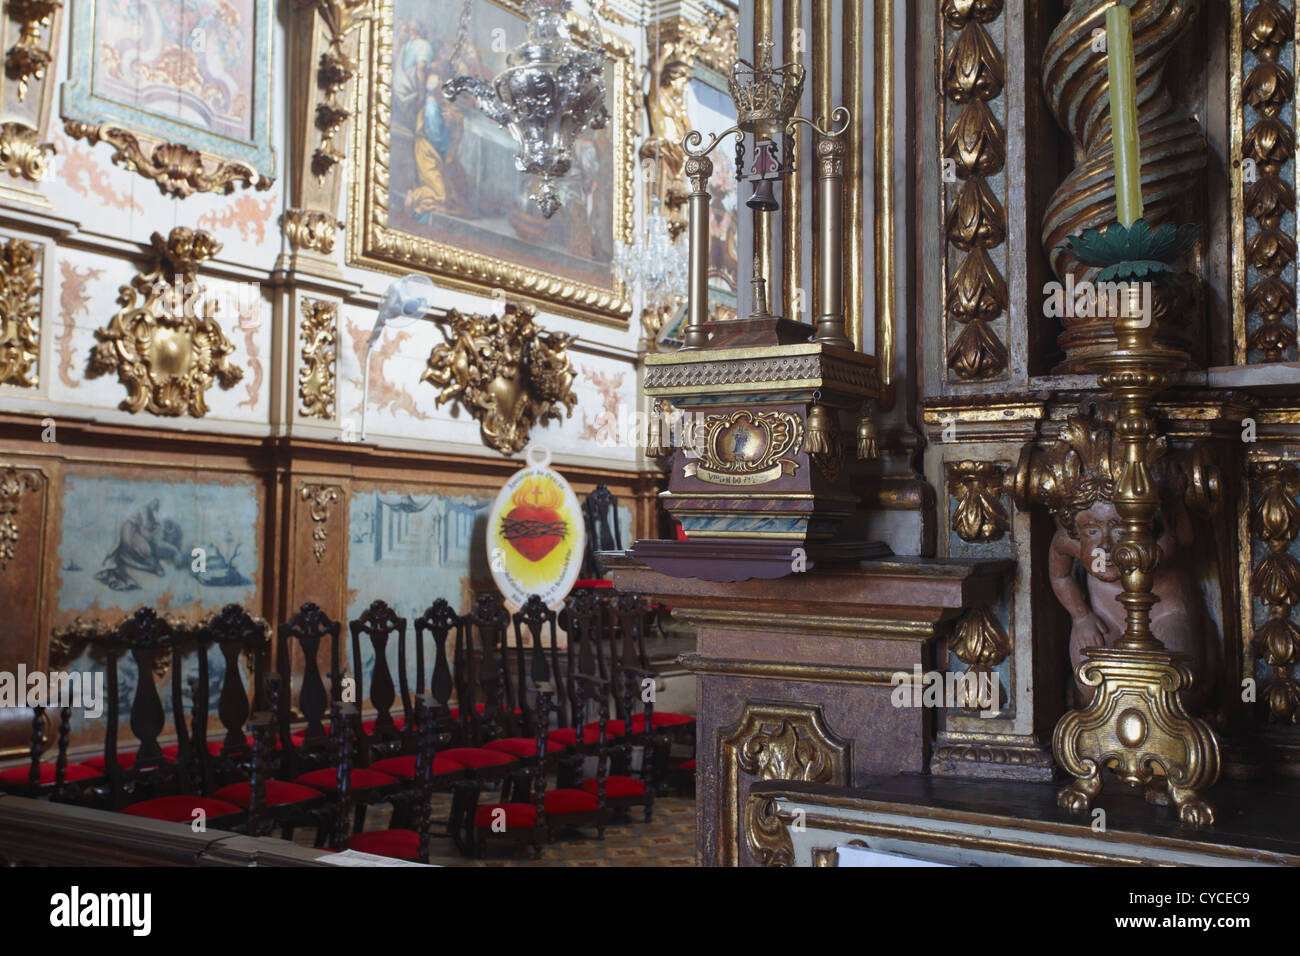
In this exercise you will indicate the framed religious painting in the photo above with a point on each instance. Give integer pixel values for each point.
(433, 183)
(182, 91)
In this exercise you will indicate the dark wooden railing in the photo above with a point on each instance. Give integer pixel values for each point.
(40, 833)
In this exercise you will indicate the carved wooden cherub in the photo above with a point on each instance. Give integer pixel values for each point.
(1085, 469)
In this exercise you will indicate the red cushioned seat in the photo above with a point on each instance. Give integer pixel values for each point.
(664, 718)
(518, 815)
(478, 709)
(396, 844)
(124, 760)
(369, 725)
(172, 751)
(617, 787)
(180, 808)
(521, 746)
(476, 758)
(278, 792)
(689, 764)
(19, 775)
(568, 736)
(362, 779)
(404, 767)
(593, 583)
(559, 802)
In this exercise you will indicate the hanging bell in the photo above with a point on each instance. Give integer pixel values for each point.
(819, 435)
(868, 444)
(764, 198)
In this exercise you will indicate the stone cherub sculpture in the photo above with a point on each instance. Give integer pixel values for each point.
(1078, 482)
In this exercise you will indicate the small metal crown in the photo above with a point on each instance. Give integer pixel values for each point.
(765, 96)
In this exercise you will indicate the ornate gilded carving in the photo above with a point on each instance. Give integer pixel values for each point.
(1275, 582)
(319, 351)
(178, 170)
(973, 74)
(20, 313)
(25, 60)
(977, 486)
(22, 154)
(744, 447)
(335, 70)
(320, 498)
(773, 741)
(12, 485)
(308, 229)
(164, 351)
(979, 641)
(508, 372)
(1268, 199)
(1173, 153)
(766, 833)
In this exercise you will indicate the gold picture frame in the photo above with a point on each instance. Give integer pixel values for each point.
(374, 242)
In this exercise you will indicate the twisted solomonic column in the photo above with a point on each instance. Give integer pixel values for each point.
(1173, 154)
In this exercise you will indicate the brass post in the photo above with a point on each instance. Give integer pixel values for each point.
(698, 170)
(851, 81)
(884, 205)
(823, 42)
(830, 204)
(762, 217)
(792, 213)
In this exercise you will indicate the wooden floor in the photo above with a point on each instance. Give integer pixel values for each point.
(669, 840)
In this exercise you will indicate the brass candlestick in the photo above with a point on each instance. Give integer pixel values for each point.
(1136, 721)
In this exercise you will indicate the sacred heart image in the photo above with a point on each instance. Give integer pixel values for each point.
(533, 526)
(535, 534)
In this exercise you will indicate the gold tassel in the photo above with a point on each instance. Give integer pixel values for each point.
(819, 435)
(868, 445)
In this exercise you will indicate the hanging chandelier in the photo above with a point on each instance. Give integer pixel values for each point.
(656, 265)
(550, 91)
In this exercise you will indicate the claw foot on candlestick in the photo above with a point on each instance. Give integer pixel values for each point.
(1078, 796)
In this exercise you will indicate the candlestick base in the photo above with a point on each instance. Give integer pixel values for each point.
(1136, 725)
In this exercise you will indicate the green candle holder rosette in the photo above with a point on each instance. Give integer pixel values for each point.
(1134, 252)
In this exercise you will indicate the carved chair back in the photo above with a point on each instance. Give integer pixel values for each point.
(438, 622)
(543, 637)
(379, 624)
(243, 641)
(600, 516)
(308, 627)
(155, 645)
(489, 622)
(588, 617)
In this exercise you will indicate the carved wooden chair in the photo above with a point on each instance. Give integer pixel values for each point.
(144, 782)
(307, 755)
(491, 718)
(627, 651)
(408, 838)
(600, 518)
(531, 818)
(380, 736)
(243, 642)
(518, 720)
(57, 779)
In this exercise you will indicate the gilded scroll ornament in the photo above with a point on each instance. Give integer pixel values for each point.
(319, 352)
(22, 153)
(1275, 582)
(320, 498)
(979, 515)
(178, 170)
(979, 640)
(508, 372)
(1268, 31)
(773, 741)
(972, 75)
(309, 229)
(12, 485)
(20, 313)
(164, 349)
(25, 60)
(766, 833)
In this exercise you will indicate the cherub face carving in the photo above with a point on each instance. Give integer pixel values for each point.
(1097, 529)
